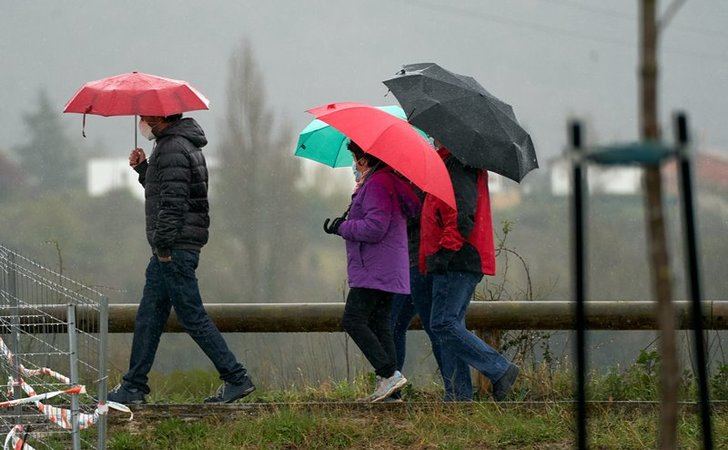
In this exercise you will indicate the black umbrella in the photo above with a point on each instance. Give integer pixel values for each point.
(479, 129)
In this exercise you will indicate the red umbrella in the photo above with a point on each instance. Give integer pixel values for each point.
(133, 94)
(392, 140)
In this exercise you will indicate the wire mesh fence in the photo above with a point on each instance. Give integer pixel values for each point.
(55, 368)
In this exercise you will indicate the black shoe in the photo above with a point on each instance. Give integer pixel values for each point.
(126, 395)
(229, 392)
(503, 386)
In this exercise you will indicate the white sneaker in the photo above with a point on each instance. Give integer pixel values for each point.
(369, 397)
(389, 386)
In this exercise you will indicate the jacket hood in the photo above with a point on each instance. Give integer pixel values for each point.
(406, 196)
(189, 129)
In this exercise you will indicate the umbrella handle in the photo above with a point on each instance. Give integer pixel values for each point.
(326, 225)
(136, 130)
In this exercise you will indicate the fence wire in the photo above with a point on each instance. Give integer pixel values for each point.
(45, 350)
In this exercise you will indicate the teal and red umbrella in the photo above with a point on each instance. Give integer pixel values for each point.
(379, 133)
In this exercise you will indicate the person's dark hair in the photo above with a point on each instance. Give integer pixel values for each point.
(358, 153)
(173, 118)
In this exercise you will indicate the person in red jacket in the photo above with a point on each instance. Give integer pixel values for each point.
(456, 250)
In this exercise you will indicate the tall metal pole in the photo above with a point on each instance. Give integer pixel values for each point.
(693, 268)
(656, 236)
(579, 267)
(103, 371)
(73, 361)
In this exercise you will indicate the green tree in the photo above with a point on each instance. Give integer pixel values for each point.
(259, 205)
(11, 179)
(49, 158)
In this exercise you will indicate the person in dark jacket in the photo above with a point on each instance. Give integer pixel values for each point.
(175, 188)
(456, 250)
(375, 231)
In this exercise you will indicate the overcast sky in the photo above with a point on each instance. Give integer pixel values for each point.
(550, 59)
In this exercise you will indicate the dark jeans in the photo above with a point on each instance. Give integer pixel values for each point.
(459, 386)
(174, 284)
(366, 320)
(451, 295)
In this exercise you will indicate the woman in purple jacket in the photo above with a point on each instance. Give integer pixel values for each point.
(377, 263)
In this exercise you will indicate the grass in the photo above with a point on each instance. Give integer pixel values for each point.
(485, 425)
(636, 382)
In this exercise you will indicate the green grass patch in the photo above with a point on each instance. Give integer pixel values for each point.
(486, 425)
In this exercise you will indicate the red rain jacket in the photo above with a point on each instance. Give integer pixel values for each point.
(459, 240)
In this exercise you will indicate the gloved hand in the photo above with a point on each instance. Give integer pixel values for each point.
(333, 228)
(440, 261)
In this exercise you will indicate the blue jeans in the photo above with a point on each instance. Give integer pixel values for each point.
(404, 308)
(451, 295)
(174, 284)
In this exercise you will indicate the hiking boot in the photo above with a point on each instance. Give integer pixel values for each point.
(230, 392)
(503, 386)
(389, 386)
(126, 395)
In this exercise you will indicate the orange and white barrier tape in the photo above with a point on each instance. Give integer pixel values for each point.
(57, 415)
(36, 398)
(32, 372)
(62, 416)
(14, 442)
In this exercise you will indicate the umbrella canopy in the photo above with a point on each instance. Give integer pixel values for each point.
(323, 143)
(393, 141)
(136, 93)
(479, 129)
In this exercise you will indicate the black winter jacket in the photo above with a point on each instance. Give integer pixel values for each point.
(175, 188)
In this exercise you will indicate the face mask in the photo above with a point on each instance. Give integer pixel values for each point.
(146, 130)
(358, 173)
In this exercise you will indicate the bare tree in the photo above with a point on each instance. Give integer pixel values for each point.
(259, 202)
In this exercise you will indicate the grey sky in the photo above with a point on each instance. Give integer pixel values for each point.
(551, 59)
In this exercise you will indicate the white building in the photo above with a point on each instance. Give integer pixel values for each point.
(601, 179)
(111, 174)
(107, 174)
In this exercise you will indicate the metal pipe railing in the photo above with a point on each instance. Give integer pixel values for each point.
(326, 317)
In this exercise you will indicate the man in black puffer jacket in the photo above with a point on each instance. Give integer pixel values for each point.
(175, 186)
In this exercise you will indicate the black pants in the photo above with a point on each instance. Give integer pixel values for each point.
(366, 319)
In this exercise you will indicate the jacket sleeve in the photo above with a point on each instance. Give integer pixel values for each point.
(457, 226)
(175, 175)
(372, 228)
(141, 169)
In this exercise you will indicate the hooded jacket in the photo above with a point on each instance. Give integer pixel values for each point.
(462, 240)
(376, 233)
(175, 189)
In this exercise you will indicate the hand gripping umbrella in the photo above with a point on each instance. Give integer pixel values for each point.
(479, 129)
(392, 140)
(133, 94)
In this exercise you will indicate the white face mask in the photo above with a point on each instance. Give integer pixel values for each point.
(146, 130)
(355, 169)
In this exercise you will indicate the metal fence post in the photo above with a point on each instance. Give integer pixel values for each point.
(73, 369)
(103, 375)
(693, 268)
(579, 267)
(15, 333)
